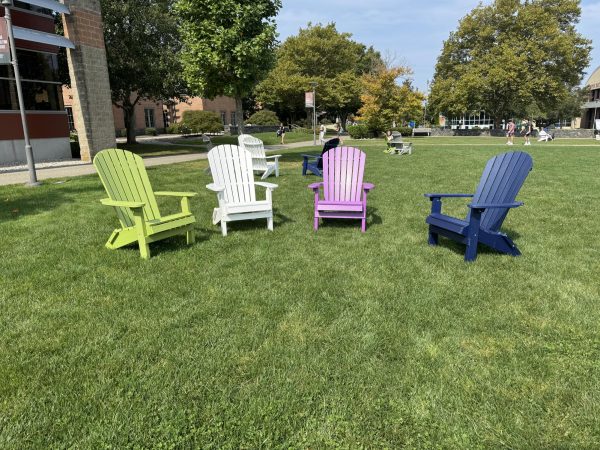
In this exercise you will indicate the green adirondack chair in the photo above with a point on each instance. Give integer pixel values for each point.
(125, 179)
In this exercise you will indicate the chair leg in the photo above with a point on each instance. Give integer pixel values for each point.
(144, 249)
(224, 228)
(270, 224)
(316, 225)
(277, 170)
(471, 252)
(434, 238)
(363, 226)
(190, 237)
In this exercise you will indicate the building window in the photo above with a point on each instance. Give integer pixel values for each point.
(40, 81)
(70, 117)
(28, 7)
(224, 117)
(475, 120)
(149, 116)
(233, 119)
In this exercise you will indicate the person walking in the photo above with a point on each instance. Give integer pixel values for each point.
(281, 133)
(510, 132)
(528, 128)
(338, 131)
(322, 134)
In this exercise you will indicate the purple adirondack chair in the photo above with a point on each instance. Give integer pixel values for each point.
(344, 193)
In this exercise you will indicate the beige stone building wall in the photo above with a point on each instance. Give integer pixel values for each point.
(88, 70)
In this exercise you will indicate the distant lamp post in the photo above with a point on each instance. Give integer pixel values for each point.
(314, 85)
(8, 4)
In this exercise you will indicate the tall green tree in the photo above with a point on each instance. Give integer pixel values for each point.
(228, 46)
(319, 53)
(511, 58)
(142, 46)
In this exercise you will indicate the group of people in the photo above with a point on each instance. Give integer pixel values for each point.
(526, 130)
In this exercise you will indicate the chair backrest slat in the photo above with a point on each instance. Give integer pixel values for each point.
(231, 167)
(343, 170)
(256, 148)
(500, 182)
(125, 179)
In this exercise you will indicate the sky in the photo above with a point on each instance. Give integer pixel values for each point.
(409, 31)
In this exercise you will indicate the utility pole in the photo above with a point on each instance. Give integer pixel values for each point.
(314, 85)
(13, 51)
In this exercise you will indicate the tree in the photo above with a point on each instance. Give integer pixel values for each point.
(228, 46)
(142, 46)
(385, 102)
(511, 58)
(264, 117)
(318, 54)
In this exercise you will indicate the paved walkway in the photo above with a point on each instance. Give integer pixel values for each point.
(69, 170)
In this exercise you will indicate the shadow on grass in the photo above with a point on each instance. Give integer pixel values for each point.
(372, 219)
(24, 201)
(482, 249)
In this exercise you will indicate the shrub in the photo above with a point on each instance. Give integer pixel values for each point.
(122, 132)
(359, 132)
(73, 136)
(404, 131)
(264, 117)
(150, 132)
(202, 121)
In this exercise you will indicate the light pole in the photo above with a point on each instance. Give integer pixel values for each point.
(314, 85)
(13, 52)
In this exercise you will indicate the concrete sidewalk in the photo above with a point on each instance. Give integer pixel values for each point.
(22, 177)
(67, 171)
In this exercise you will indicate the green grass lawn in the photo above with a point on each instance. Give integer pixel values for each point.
(267, 138)
(297, 339)
(180, 148)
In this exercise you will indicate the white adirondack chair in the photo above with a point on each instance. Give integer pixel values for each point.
(231, 168)
(259, 158)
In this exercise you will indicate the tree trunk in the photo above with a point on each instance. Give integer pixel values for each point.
(497, 123)
(239, 114)
(129, 114)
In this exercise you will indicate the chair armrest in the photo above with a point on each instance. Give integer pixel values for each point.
(315, 186)
(494, 205)
(264, 184)
(175, 194)
(118, 204)
(215, 187)
(368, 186)
(447, 195)
(311, 156)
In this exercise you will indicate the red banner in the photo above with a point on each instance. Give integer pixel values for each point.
(4, 46)
(309, 99)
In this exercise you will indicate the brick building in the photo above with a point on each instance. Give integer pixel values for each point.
(148, 114)
(38, 63)
(224, 106)
(37, 49)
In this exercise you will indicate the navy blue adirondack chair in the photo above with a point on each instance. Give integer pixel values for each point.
(314, 163)
(500, 183)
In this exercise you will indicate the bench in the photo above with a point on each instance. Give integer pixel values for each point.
(421, 131)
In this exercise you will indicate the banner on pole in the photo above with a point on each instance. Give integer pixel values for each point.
(309, 99)
(4, 46)
(442, 120)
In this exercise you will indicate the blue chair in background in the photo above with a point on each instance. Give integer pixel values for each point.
(314, 163)
(499, 185)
